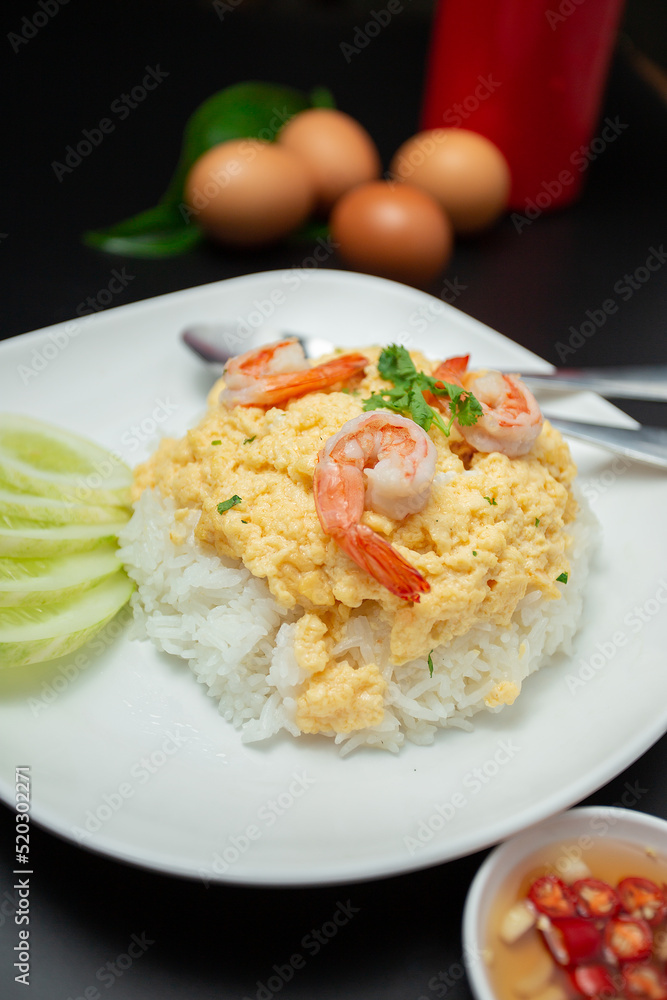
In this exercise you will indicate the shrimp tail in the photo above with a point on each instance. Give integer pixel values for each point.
(272, 389)
(381, 560)
(453, 369)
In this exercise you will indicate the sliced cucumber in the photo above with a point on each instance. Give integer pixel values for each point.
(40, 580)
(36, 633)
(49, 511)
(51, 462)
(22, 539)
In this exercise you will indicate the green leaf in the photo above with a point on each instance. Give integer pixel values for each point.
(158, 232)
(250, 110)
(395, 365)
(562, 578)
(321, 97)
(420, 411)
(227, 504)
(309, 232)
(429, 660)
(244, 110)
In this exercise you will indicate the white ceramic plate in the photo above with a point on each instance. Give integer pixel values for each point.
(129, 756)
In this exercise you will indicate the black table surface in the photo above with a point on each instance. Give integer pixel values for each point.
(537, 286)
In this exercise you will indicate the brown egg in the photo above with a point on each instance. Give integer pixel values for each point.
(247, 192)
(337, 150)
(462, 170)
(393, 230)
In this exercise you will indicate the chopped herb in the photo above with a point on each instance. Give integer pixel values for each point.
(244, 522)
(216, 442)
(474, 552)
(407, 397)
(250, 440)
(226, 504)
(492, 501)
(562, 578)
(537, 521)
(429, 660)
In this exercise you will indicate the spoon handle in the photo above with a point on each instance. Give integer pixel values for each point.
(645, 444)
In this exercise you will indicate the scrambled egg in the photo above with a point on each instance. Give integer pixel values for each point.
(492, 529)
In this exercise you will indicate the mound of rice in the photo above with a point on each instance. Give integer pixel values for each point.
(239, 642)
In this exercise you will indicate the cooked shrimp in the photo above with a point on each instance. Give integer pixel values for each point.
(511, 419)
(398, 460)
(280, 371)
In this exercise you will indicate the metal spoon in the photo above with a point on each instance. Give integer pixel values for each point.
(216, 344)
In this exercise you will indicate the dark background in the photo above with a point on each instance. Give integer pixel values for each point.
(223, 942)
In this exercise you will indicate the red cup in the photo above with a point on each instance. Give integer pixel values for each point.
(529, 75)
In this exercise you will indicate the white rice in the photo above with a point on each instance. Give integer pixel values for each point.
(239, 642)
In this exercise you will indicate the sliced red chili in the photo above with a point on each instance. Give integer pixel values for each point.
(596, 898)
(593, 981)
(643, 899)
(627, 940)
(644, 982)
(571, 940)
(551, 896)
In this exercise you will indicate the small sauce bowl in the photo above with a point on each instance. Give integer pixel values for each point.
(610, 842)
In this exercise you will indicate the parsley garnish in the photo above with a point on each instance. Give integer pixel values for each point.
(250, 440)
(492, 501)
(537, 521)
(216, 442)
(429, 660)
(244, 522)
(226, 504)
(474, 552)
(407, 397)
(562, 578)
